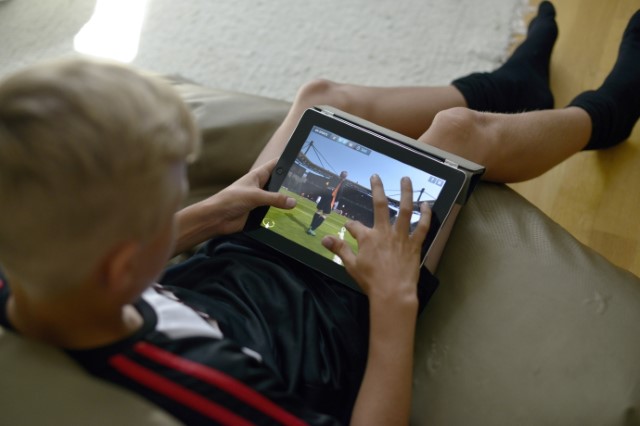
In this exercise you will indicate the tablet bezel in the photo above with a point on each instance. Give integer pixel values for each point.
(454, 182)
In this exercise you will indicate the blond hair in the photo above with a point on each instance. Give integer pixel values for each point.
(84, 151)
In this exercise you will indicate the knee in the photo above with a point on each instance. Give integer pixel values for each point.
(460, 131)
(322, 92)
(457, 123)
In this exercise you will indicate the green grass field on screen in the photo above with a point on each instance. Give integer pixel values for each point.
(294, 223)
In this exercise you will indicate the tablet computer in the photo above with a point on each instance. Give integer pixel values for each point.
(326, 166)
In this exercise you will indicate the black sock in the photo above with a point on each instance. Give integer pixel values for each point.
(522, 83)
(615, 107)
(316, 221)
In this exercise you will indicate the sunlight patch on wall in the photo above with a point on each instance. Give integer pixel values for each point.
(113, 31)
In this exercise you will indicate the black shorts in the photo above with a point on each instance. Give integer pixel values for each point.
(311, 330)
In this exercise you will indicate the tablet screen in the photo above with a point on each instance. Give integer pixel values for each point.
(329, 178)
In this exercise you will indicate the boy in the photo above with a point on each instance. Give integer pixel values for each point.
(236, 334)
(103, 180)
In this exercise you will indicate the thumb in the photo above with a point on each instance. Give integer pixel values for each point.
(274, 199)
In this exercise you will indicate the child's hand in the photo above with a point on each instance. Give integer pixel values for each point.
(234, 203)
(387, 263)
(226, 212)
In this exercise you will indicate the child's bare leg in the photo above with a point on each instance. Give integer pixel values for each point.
(407, 110)
(512, 147)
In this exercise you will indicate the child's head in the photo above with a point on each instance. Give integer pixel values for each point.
(88, 159)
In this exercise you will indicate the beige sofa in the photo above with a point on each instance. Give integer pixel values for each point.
(529, 327)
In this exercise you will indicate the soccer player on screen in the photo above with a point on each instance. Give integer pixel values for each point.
(328, 198)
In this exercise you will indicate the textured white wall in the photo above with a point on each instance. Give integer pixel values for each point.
(270, 47)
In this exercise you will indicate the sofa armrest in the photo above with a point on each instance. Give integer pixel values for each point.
(528, 326)
(42, 386)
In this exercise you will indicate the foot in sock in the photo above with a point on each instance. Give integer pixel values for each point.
(522, 83)
(615, 107)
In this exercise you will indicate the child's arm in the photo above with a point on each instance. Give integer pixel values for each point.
(226, 212)
(387, 269)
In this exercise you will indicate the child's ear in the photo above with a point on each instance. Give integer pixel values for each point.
(118, 271)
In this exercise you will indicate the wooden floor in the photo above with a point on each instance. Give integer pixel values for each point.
(594, 195)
